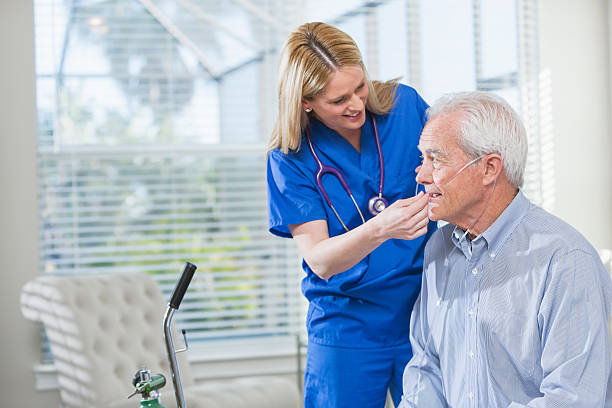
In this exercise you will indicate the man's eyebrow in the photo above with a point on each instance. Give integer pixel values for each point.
(431, 150)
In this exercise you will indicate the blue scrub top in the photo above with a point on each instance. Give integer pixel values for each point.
(368, 305)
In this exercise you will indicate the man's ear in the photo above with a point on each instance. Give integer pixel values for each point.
(494, 165)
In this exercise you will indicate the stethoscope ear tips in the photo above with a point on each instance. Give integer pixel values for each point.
(376, 205)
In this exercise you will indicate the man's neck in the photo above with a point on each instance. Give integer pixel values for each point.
(502, 196)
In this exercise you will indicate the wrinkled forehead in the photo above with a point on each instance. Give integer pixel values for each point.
(441, 134)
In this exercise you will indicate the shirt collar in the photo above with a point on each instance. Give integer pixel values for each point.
(502, 227)
(507, 221)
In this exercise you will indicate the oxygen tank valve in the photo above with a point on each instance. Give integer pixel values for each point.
(147, 385)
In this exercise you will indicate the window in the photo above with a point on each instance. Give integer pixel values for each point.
(151, 154)
(153, 117)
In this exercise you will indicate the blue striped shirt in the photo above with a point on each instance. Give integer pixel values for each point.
(516, 317)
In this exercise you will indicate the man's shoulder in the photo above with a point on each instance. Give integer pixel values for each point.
(538, 228)
(543, 228)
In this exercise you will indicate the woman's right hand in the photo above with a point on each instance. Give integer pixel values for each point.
(404, 219)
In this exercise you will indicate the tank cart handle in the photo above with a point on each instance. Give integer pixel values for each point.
(182, 284)
(175, 301)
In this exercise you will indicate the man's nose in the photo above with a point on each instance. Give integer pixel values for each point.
(423, 174)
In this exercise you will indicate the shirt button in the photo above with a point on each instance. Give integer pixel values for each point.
(471, 395)
(492, 255)
(471, 354)
(471, 312)
(474, 271)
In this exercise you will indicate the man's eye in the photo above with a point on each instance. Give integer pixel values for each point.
(338, 101)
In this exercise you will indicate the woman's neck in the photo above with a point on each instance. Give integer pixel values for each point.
(353, 137)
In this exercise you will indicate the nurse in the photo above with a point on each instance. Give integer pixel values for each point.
(358, 225)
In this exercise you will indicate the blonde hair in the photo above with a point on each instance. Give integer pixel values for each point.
(310, 56)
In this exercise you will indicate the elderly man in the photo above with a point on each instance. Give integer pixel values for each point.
(514, 304)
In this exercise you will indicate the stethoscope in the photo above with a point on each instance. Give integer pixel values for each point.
(376, 204)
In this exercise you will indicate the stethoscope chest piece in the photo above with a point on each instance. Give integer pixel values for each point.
(376, 205)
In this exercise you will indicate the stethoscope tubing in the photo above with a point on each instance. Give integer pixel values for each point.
(381, 182)
(324, 169)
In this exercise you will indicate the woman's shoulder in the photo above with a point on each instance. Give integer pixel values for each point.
(407, 94)
(292, 157)
(407, 99)
(406, 89)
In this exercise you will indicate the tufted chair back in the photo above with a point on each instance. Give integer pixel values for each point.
(102, 329)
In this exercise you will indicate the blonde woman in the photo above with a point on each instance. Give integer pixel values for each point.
(341, 183)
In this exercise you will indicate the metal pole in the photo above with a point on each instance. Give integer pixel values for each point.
(174, 371)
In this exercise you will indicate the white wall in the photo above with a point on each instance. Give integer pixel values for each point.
(20, 346)
(574, 38)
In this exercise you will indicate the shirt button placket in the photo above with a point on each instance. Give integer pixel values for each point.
(468, 344)
(472, 335)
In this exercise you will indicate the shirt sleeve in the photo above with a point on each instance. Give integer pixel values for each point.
(575, 340)
(292, 197)
(422, 381)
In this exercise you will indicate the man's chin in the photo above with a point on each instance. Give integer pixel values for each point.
(431, 214)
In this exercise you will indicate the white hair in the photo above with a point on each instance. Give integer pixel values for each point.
(488, 125)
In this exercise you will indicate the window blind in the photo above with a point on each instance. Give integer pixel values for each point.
(142, 167)
(139, 211)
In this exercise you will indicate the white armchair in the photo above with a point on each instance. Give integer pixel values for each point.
(102, 329)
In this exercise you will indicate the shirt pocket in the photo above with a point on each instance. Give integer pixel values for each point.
(508, 343)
